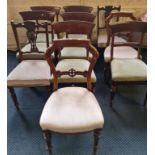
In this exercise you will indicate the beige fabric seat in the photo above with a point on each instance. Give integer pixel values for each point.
(128, 70)
(120, 52)
(30, 73)
(71, 110)
(102, 40)
(79, 52)
(41, 37)
(73, 52)
(42, 47)
(78, 65)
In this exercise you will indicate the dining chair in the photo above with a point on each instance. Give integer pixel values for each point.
(127, 71)
(54, 9)
(40, 16)
(78, 8)
(102, 14)
(29, 72)
(71, 110)
(122, 51)
(76, 30)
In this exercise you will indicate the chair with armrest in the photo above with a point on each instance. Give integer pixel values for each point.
(40, 16)
(127, 71)
(54, 9)
(78, 8)
(122, 51)
(29, 72)
(71, 110)
(102, 14)
(76, 30)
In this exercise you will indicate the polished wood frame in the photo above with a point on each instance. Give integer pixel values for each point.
(134, 26)
(72, 72)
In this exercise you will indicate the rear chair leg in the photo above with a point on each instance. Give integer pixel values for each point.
(14, 97)
(47, 137)
(49, 90)
(112, 94)
(96, 139)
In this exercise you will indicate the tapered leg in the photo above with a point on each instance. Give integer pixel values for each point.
(47, 137)
(96, 139)
(112, 94)
(145, 100)
(14, 97)
(49, 90)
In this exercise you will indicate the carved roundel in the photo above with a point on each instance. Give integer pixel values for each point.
(72, 72)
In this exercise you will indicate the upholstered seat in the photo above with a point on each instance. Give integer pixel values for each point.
(128, 70)
(30, 73)
(73, 52)
(71, 110)
(77, 64)
(41, 37)
(42, 47)
(102, 40)
(77, 36)
(120, 52)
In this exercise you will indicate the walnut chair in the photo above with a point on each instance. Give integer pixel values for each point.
(102, 14)
(64, 110)
(78, 8)
(29, 72)
(127, 71)
(76, 30)
(40, 16)
(54, 9)
(122, 51)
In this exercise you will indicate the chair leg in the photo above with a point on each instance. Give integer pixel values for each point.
(14, 97)
(49, 90)
(145, 100)
(47, 137)
(112, 94)
(96, 139)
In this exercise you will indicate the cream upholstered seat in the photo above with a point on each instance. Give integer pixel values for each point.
(77, 64)
(120, 52)
(42, 47)
(41, 37)
(102, 40)
(30, 73)
(128, 70)
(71, 110)
(73, 52)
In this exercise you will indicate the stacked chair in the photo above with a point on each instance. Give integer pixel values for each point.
(71, 110)
(127, 71)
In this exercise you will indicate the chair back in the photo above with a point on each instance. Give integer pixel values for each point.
(57, 44)
(54, 9)
(82, 16)
(78, 8)
(131, 27)
(107, 10)
(124, 15)
(31, 34)
(73, 27)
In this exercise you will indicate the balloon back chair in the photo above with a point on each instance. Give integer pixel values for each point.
(127, 71)
(71, 110)
(29, 72)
